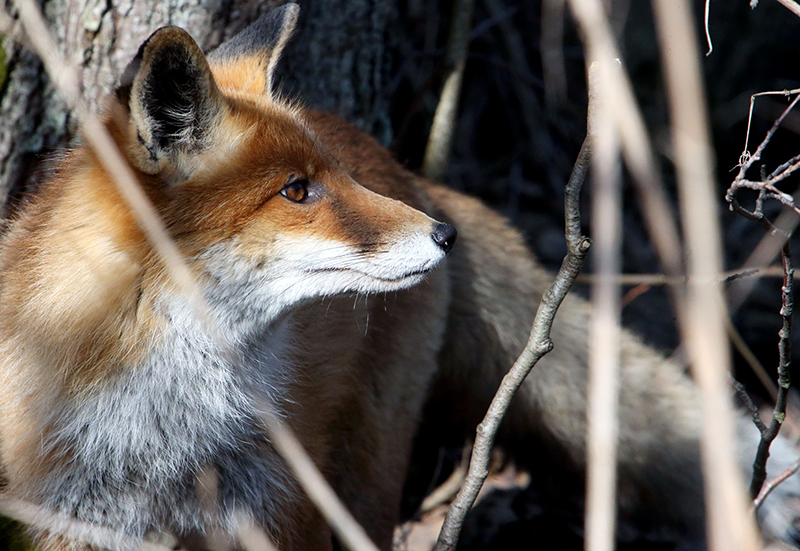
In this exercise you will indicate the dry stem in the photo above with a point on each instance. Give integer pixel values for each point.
(766, 190)
(791, 5)
(604, 330)
(768, 434)
(75, 530)
(773, 483)
(440, 139)
(636, 144)
(538, 345)
(704, 312)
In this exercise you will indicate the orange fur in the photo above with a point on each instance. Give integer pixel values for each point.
(82, 291)
(311, 244)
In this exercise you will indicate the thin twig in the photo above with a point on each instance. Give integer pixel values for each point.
(704, 313)
(658, 280)
(440, 139)
(703, 327)
(773, 483)
(767, 190)
(746, 160)
(99, 139)
(636, 144)
(251, 536)
(350, 532)
(768, 435)
(95, 535)
(764, 253)
(755, 365)
(446, 491)
(791, 5)
(538, 345)
(747, 402)
(604, 330)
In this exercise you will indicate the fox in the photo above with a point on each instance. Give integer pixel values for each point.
(375, 311)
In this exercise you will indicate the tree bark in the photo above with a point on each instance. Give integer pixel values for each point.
(336, 61)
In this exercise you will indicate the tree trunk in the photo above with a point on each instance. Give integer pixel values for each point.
(336, 61)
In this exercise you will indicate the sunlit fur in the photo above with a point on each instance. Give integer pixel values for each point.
(340, 311)
(112, 395)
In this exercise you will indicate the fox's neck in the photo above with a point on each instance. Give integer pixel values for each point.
(147, 431)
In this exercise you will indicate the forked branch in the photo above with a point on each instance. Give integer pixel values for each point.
(767, 191)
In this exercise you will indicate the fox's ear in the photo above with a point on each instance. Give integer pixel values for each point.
(251, 56)
(173, 101)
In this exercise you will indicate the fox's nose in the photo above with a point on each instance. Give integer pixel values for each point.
(444, 235)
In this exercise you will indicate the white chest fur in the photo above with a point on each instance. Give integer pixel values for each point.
(136, 443)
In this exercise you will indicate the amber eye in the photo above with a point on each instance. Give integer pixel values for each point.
(296, 191)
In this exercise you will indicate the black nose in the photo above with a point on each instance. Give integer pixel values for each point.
(444, 235)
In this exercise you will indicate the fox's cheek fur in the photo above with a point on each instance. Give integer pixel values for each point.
(305, 267)
(113, 399)
(340, 238)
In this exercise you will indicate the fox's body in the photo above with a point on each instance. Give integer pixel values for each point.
(113, 397)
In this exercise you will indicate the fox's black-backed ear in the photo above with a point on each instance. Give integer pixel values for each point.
(173, 101)
(256, 49)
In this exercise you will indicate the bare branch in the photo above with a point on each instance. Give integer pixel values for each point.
(538, 345)
(746, 160)
(439, 142)
(654, 280)
(703, 311)
(604, 329)
(773, 483)
(765, 252)
(768, 435)
(791, 5)
(747, 402)
(75, 530)
(766, 191)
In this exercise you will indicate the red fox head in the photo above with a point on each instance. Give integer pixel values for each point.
(250, 193)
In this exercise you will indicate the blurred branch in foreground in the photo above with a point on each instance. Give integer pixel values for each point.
(604, 329)
(703, 312)
(440, 139)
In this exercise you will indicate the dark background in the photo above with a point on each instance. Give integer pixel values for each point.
(517, 133)
(380, 63)
(519, 164)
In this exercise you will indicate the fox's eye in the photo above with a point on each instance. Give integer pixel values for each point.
(296, 191)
